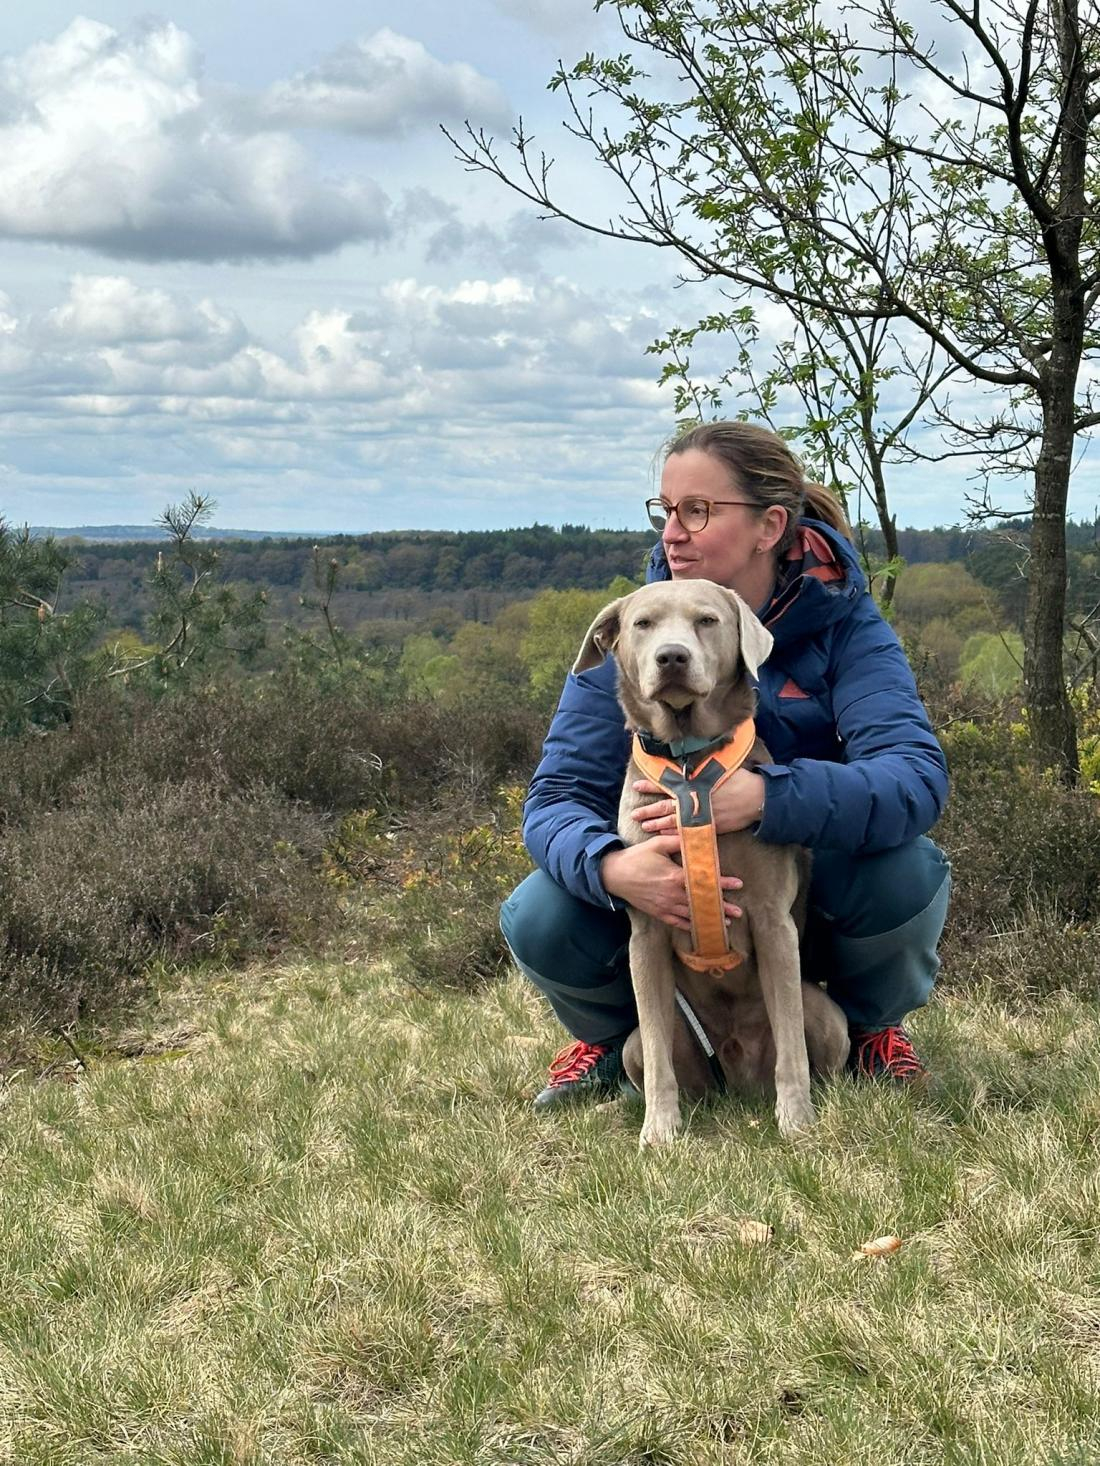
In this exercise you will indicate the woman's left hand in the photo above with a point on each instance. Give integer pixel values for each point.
(736, 804)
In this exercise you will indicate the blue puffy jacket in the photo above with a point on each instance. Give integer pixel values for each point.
(856, 764)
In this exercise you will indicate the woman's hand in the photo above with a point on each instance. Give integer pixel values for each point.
(736, 804)
(648, 878)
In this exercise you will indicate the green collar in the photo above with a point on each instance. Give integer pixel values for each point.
(680, 748)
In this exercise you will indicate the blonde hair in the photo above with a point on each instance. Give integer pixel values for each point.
(764, 468)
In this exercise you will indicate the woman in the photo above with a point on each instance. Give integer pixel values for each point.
(857, 777)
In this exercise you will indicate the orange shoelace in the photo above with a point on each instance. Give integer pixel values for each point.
(889, 1050)
(574, 1062)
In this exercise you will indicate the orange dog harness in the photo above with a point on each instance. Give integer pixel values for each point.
(692, 790)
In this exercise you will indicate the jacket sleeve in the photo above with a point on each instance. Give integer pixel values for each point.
(891, 783)
(572, 806)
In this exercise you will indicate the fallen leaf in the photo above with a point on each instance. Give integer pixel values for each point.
(754, 1234)
(877, 1247)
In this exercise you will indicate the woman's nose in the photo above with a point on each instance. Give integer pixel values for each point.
(673, 529)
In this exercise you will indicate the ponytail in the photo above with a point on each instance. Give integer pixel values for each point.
(822, 503)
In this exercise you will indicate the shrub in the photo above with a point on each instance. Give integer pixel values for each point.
(439, 924)
(1035, 954)
(335, 751)
(197, 824)
(1025, 852)
(144, 869)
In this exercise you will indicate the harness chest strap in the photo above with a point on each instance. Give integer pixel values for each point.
(692, 790)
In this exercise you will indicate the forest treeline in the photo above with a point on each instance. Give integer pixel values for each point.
(472, 575)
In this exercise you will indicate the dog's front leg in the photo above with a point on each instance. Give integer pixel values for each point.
(651, 968)
(781, 982)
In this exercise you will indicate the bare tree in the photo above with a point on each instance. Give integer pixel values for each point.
(921, 198)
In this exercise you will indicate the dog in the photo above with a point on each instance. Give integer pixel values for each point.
(685, 651)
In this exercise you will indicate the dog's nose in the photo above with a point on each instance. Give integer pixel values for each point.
(673, 656)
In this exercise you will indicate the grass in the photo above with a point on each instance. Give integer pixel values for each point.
(307, 1215)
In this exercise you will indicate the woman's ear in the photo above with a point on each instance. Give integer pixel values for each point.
(773, 523)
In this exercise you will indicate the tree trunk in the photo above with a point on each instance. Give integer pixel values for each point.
(889, 525)
(1053, 728)
(887, 521)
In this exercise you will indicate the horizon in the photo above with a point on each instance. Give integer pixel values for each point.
(148, 532)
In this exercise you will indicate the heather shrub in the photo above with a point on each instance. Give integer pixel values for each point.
(435, 909)
(1025, 856)
(1028, 957)
(333, 750)
(140, 869)
(200, 824)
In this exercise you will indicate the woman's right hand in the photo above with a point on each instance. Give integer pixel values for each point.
(647, 877)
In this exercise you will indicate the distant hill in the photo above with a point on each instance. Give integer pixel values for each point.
(140, 533)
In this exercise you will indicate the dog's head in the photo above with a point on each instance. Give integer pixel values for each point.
(682, 648)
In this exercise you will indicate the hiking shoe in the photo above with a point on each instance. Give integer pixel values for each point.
(885, 1053)
(583, 1071)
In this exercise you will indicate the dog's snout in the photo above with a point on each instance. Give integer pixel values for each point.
(672, 656)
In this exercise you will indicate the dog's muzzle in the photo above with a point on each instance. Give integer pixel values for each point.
(672, 677)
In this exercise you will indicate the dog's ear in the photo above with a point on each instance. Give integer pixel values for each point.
(600, 638)
(756, 640)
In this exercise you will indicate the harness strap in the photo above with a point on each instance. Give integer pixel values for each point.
(692, 789)
(700, 1033)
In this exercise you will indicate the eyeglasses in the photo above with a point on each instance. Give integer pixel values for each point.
(693, 514)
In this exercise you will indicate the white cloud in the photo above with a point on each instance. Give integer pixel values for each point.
(471, 346)
(383, 85)
(460, 399)
(112, 141)
(111, 311)
(516, 243)
(552, 17)
(488, 400)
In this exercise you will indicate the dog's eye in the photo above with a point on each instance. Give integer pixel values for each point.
(707, 621)
(643, 623)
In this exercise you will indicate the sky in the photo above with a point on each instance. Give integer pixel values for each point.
(240, 258)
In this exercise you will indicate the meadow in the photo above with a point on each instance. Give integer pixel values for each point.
(304, 1213)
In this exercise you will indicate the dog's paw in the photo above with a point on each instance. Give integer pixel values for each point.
(795, 1115)
(660, 1129)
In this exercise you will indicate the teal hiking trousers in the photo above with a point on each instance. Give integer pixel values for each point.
(872, 929)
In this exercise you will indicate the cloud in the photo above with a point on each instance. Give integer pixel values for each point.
(551, 17)
(499, 399)
(111, 311)
(410, 350)
(383, 85)
(113, 142)
(515, 245)
(460, 400)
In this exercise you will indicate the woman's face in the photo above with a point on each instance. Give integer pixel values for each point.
(730, 549)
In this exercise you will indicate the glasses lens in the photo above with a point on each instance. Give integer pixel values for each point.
(658, 514)
(693, 514)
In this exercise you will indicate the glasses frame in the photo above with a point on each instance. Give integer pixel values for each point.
(670, 509)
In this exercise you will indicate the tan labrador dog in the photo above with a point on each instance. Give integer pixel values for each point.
(683, 650)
